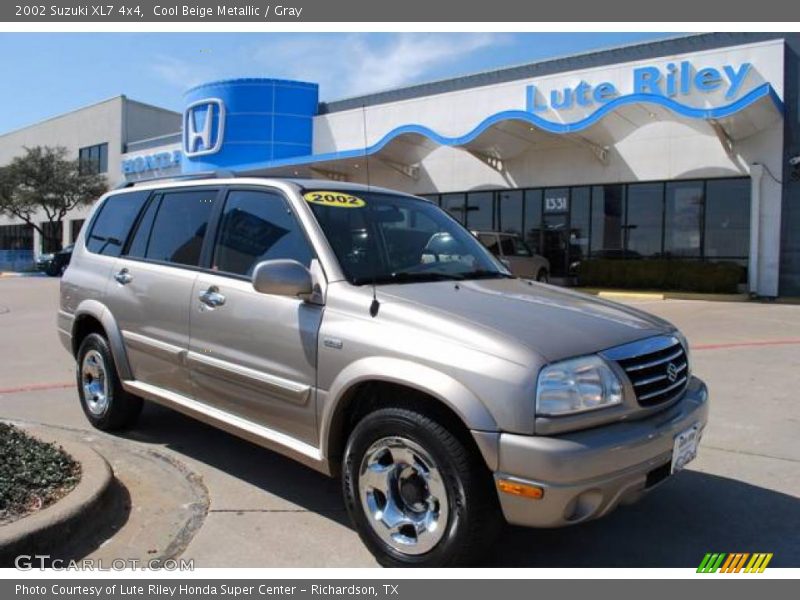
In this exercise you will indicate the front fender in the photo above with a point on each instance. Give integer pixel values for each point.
(441, 386)
(97, 310)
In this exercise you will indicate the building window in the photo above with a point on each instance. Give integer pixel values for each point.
(608, 217)
(509, 212)
(683, 218)
(727, 219)
(75, 227)
(454, 204)
(644, 220)
(579, 223)
(480, 211)
(94, 159)
(16, 237)
(52, 234)
(533, 219)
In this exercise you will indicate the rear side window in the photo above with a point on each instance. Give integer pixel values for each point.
(179, 226)
(257, 226)
(113, 223)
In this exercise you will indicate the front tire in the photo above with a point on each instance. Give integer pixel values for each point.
(417, 495)
(105, 403)
(542, 276)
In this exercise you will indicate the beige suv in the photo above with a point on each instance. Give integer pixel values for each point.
(367, 334)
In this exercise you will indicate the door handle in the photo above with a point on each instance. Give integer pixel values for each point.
(123, 276)
(211, 297)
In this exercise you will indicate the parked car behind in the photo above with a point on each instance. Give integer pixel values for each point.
(512, 250)
(54, 263)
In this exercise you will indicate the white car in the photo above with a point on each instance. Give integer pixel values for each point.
(516, 255)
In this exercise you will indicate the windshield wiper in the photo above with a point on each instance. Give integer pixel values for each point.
(406, 277)
(483, 274)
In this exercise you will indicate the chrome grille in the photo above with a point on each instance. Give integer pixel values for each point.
(658, 368)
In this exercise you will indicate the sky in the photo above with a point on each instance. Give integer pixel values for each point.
(47, 74)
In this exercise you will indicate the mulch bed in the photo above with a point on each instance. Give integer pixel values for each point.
(33, 474)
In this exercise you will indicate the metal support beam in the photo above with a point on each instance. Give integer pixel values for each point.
(724, 139)
(411, 171)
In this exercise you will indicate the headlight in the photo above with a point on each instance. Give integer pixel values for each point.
(577, 385)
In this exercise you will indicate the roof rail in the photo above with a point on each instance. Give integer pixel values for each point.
(217, 174)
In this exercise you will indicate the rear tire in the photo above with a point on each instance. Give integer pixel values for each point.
(416, 494)
(105, 403)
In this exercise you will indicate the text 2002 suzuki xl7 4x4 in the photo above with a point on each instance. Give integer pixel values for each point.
(367, 334)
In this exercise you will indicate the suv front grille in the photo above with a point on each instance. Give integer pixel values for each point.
(658, 368)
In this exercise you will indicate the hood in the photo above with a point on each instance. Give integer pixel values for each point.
(551, 321)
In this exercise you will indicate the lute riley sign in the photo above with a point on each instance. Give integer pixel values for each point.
(674, 80)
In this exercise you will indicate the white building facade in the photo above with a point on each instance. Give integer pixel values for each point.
(679, 149)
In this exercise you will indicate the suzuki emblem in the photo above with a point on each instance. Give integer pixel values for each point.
(672, 372)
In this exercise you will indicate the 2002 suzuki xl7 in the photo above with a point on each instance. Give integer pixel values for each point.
(367, 334)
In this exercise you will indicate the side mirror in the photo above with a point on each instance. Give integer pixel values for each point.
(283, 278)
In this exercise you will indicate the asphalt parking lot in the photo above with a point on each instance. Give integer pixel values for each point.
(741, 494)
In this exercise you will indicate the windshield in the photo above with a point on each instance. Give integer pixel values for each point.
(386, 238)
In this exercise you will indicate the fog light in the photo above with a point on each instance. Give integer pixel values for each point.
(525, 490)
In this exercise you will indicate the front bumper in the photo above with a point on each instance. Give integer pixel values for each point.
(587, 474)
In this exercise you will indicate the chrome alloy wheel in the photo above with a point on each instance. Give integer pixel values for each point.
(403, 495)
(94, 380)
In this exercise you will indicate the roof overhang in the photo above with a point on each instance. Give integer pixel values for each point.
(506, 135)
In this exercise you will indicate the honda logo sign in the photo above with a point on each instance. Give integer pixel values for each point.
(203, 127)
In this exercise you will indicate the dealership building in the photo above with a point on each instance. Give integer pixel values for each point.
(684, 148)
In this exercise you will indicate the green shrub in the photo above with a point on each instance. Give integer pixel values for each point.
(661, 274)
(32, 473)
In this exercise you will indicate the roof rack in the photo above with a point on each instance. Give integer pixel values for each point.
(217, 174)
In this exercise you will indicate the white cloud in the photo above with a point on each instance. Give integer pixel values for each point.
(353, 64)
(343, 64)
(182, 73)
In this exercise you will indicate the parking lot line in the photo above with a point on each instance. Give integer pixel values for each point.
(744, 344)
(35, 387)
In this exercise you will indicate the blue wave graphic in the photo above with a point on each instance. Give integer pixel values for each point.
(720, 112)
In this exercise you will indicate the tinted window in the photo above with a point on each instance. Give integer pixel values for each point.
(480, 210)
(684, 216)
(179, 227)
(510, 212)
(113, 223)
(579, 223)
(257, 226)
(727, 218)
(533, 218)
(138, 246)
(454, 204)
(608, 210)
(645, 211)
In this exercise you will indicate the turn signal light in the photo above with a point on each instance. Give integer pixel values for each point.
(525, 490)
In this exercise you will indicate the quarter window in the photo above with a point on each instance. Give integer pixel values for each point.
(113, 223)
(257, 226)
(180, 226)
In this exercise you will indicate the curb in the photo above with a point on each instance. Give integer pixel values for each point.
(36, 533)
(634, 295)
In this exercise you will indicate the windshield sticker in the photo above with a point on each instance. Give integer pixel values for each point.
(336, 199)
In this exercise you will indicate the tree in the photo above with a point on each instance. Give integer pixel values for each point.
(44, 181)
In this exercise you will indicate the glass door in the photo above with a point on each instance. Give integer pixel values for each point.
(555, 230)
